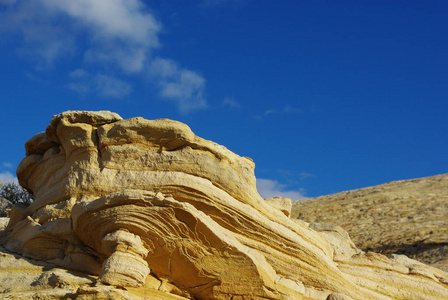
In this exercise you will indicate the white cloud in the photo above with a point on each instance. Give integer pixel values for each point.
(163, 68)
(7, 177)
(8, 2)
(272, 188)
(235, 4)
(184, 87)
(130, 59)
(82, 88)
(81, 81)
(270, 112)
(102, 85)
(7, 165)
(79, 74)
(305, 175)
(40, 40)
(285, 110)
(111, 87)
(119, 31)
(125, 20)
(114, 35)
(231, 103)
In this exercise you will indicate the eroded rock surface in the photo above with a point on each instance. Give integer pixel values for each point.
(132, 201)
(404, 217)
(22, 278)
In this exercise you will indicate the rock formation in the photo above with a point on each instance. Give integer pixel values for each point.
(130, 203)
(405, 217)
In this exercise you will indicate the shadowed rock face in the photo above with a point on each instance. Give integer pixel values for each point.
(130, 200)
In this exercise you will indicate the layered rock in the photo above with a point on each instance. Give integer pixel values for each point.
(404, 217)
(22, 278)
(128, 200)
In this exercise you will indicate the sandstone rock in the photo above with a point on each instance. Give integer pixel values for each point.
(405, 217)
(3, 223)
(22, 278)
(339, 239)
(149, 207)
(282, 204)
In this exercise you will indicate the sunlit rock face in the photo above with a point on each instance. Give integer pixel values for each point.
(130, 200)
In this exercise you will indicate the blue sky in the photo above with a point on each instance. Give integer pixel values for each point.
(324, 96)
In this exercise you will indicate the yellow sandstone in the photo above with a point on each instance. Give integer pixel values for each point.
(145, 209)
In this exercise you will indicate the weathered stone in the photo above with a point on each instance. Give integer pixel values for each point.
(134, 203)
(38, 144)
(3, 223)
(22, 278)
(282, 204)
(339, 239)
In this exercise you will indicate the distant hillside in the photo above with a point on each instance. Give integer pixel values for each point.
(406, 217)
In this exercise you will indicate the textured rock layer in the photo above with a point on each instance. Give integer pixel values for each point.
(129, 201)
(22, 278)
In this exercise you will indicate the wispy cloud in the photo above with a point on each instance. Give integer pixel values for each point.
(80, 81)
(8, 2)
(230, 102)
(108, 86)
(235, 4)
(304, 175)
(41, 41)
(102, 85)
(118, 31)
(286, 110)
(7, 165)
(184, 87)
(114, 39)
(272, 188)
(7, 177)
(293, 175)
(79, 74)
(209, 3)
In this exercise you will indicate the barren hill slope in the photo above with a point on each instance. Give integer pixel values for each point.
(407, 217)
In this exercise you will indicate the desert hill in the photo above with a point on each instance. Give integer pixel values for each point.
(407, 217)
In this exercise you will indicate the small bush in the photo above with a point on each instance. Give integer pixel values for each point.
(10, 194)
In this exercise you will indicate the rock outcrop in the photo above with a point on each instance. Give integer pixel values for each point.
(403, 217)
(133, 202)
(22, 278)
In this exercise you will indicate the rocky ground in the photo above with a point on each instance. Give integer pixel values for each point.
(407, 217)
